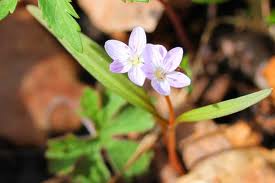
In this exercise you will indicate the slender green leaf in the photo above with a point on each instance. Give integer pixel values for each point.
(223, 108)
(59, 15)
(6, 7)
(98, 66)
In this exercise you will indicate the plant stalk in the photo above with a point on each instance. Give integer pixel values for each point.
(171, 140)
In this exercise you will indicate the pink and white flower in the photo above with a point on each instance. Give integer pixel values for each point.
(128, 58)
(160, 65)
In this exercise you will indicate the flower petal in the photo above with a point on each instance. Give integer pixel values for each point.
(120, 66)
(172, 59)
(152, 55)
(178, 79)
(136, 75)
(148, 70)
(162, 87)
(117, 50)
(162, 50)
(137, 40)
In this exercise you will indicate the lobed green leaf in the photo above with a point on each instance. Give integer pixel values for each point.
(91, 168)
(96, 62)
(59, 15)
(89, 103)
(63, 153)
(130, 120)
(112, 107)
(223, 108)
(6, 7)
(120, 152)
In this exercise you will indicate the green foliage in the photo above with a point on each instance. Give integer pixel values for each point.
(119, 155)
(223, 108)
(271, 18)
(82, 159)
(120, 125)
(209, 1)
(90, 104)
(59, 15)
(96, 62)
(64, 152)
(6, 7)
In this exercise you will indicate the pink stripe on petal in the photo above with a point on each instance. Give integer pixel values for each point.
(117, 50)
(120, 66)
(148, 70)
(162, 87)
(162, 50)
(137, 40)
(136, 75)
(178, 79)
(172, 59)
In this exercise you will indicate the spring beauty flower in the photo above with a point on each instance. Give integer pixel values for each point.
(128, 58)
(160, 65)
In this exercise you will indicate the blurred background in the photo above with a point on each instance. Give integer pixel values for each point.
(231, 51)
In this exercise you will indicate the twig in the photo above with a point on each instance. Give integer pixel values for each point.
(89, 125)
(180, 31)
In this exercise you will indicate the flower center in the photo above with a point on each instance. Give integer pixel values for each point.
(160, 74)
(136, 61)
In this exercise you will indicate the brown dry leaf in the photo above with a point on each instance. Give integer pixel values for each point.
(251, 165)
(168, 174)
(206, 141)
(269, 75)
(117, 16)
(24, 42)
(51, 94)
(264, 115)
(218, 89)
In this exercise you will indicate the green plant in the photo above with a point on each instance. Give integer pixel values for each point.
(82, 158)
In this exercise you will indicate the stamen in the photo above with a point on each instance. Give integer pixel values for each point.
(136, 61)
(160, 74)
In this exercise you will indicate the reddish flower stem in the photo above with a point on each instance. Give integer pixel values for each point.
(180, 31)
(171, 139)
